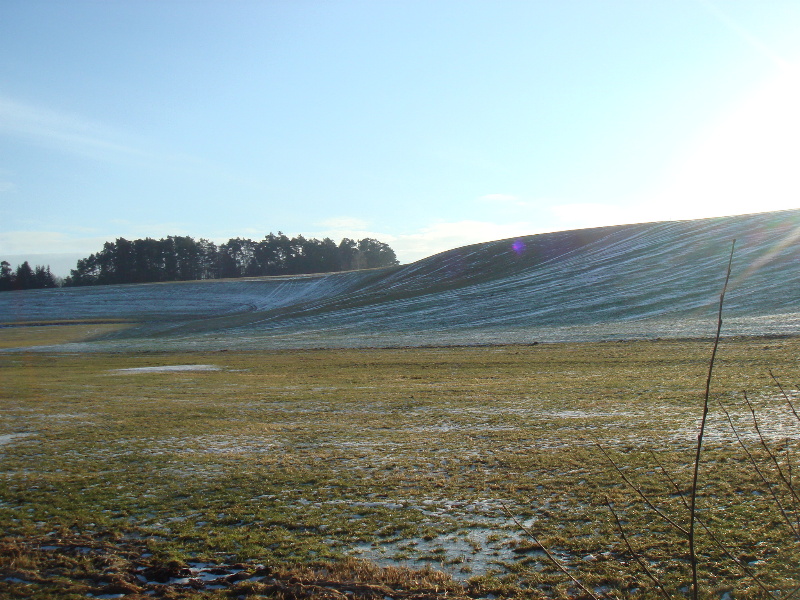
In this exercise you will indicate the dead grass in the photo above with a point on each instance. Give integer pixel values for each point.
(298, 460)
(20, 335)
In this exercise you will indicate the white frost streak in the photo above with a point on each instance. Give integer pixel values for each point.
(168, 369)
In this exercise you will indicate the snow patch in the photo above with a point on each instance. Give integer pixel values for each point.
(10, 437)
(167, 369)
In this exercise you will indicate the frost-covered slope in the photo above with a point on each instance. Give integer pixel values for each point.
(654, 279)
(178, 301)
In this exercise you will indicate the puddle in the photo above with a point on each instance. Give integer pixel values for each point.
(64, 416)
(206, 576)
(168, 369)
(469, 552)
(448, 428)
(10, 437)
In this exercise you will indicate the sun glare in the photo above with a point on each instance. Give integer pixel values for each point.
(747, 160)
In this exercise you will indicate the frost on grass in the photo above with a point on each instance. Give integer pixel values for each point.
(406, 457)
(167, 369)
(9, 438)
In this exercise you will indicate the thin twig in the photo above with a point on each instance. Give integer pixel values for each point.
(792, 594)
(790, 482)
(641, 494)
(789, 463)
(695, 476)
(549, 554)
(788, 458)
(768, 451)
(785, 395)
(670, 479)
(758, 470)
(745, 569)
(774, 460)
(722, 547)
(634, 554)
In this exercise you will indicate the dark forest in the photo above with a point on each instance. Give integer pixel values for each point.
(182, 258)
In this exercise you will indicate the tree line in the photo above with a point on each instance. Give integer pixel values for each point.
(25, 277)
(182, 258)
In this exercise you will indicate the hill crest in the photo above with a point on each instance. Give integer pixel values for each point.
(657, 279)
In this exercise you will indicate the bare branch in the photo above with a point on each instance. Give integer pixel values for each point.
(768, 451)
(547, 552)
(785, 395)
(792, 594)
(670, 479)
(641, 494)
(758, 470)
(638, 559)
(695, 476)
(789, 463)
(720, 545)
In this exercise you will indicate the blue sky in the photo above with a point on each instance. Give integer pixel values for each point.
(427, 125)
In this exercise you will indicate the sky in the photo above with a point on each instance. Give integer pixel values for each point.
(425, 124)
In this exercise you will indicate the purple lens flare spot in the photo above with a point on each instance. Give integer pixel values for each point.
(518, 246)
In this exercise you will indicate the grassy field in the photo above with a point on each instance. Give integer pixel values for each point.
(384, 473)
(55, 332)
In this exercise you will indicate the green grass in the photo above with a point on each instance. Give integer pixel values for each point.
(302, 460)
(17, 335)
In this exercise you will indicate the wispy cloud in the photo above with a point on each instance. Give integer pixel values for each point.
(510, 201)
(344, 223)
(7, 183)
(62, 130)
(502, 200)
(86, 240)
(48, 242)
(448, 235)
(426, 241)
(144, 229)
(577, 215)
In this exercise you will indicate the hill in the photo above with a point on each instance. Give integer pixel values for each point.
(628, 281)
